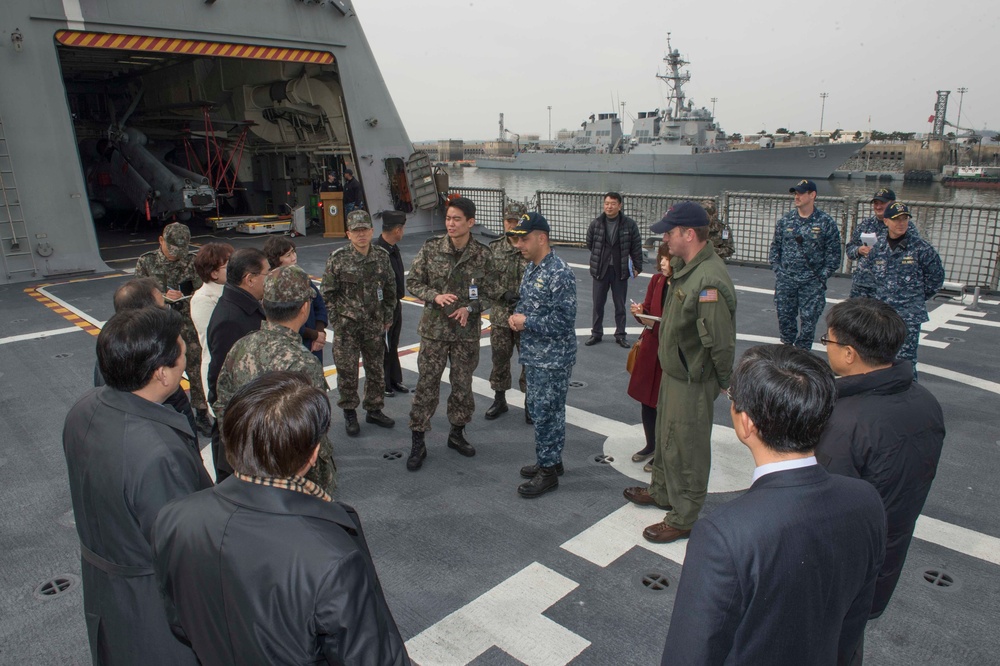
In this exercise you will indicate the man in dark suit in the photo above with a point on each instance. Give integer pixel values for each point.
(785, 573)
(127, 455)
(269, 569)
(393, 222)
(237, 313)
(885, 428)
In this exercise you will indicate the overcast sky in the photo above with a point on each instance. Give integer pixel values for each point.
(453, 65)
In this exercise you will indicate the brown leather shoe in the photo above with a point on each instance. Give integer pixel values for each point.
(663, 533)
(639, 495)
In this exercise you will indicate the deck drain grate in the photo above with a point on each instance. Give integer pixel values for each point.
(938, 578)
(56, 586)
(655, 581)
(954, 339)
(392, 455)
(63, 355)
(576, 383)
(768, 310)
(604, 460)
(18, 321)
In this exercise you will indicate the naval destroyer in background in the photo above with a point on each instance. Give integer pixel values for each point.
(680, 140)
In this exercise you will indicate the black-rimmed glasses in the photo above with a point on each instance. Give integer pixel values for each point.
(827, 341)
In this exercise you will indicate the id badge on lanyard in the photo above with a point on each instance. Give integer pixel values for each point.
(473, 291)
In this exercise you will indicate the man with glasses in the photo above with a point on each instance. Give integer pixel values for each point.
(885, 429)
(908, 271)
(804, 254)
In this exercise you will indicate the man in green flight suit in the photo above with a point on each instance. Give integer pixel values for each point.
(697, 348)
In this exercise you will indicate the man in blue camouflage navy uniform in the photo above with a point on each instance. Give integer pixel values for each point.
(506, 265)
(862, 276)
(908, 271)
(804, 254)
(545, 316)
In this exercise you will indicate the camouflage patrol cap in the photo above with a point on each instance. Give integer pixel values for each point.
(288, 284)
(514, 210)
(358, 219)
(177, 237)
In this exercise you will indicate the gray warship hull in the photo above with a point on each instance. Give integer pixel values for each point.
(817, 162)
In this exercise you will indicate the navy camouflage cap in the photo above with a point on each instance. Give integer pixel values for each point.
(177, 237)
(358, 220)
(895, 210)
(683, 214)
(288, 284)
(514, 210)
(803, 186)
(884, 195)
(529, 222)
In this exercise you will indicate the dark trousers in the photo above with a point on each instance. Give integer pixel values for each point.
(393, 372)
(222, 466)
(619, 288)
(649, 427)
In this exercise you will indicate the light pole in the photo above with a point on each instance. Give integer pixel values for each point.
(714, 100)
(550, 121)
(961, 98)
(822, 110)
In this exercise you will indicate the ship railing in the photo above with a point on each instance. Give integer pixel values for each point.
(966, 236)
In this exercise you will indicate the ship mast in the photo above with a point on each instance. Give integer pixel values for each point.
(674, 79)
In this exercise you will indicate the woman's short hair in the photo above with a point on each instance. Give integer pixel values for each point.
(274, 423)
(210, 258)
(275, 247)
(135, 343)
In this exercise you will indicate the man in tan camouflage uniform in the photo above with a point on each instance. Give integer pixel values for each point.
(172, 266)
(718, 233)
(448, 274)
(277, 346)
(359, 288)
(506, 267)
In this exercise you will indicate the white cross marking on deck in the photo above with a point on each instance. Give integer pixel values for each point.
(509, 616)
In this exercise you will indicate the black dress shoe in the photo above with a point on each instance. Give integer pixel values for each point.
(546, 480)
(398, 387)
(457, 441)
(378, 418)
(623, 343)
(389, 393)
(593, 340)
(529, 471)
(351, 422)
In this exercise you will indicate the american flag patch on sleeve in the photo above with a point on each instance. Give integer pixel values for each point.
(708, 296)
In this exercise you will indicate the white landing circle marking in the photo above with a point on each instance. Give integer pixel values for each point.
(732, 464)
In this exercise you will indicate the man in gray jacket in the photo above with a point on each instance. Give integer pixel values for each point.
(615, 256)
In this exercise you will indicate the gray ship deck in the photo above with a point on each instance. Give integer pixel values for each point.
(473, 573)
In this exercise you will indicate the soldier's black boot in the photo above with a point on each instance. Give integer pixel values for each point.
(202, 422)
(545, 480)
(457, 441)
(498, 407)
(527, 415)
(529, 471)
(351, 422)
(378, 418)
(417, 452)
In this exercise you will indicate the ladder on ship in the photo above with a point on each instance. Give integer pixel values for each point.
(16, 250)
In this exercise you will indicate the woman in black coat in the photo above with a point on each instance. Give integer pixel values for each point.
(266, 568)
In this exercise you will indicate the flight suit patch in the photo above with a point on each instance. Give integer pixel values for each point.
(708, 296)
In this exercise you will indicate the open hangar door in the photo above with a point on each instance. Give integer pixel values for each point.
(175, 129)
